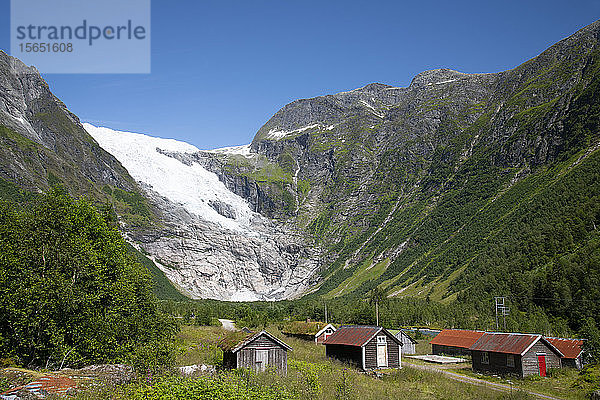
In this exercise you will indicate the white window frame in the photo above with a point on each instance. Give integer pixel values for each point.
(381, 340)
(485, 358)
(510, 360)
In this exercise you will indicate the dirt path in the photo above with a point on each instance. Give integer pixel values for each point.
(228, 324)
(474, 381)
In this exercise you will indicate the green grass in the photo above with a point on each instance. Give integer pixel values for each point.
(312, 376)
(365, 272)
(270, 173)
(562, 384)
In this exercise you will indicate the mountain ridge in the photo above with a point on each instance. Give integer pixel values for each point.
(404, 188)
(373, 176)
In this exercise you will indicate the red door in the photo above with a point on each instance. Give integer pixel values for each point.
(542, 364)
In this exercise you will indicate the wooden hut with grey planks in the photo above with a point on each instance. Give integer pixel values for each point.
(514, 354)
(257, 352)
(368, 347)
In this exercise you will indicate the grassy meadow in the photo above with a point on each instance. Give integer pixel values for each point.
(311, 376)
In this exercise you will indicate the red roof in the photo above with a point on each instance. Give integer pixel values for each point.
(352, 335)
(457, 338)
(571, 348)
(511, 343)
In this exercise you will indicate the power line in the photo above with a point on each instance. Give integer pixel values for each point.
(502, 310)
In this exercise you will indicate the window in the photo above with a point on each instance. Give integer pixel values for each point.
(381, 340)
(485, 358)
(510, 361)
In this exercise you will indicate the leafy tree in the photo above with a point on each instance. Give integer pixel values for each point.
(591, 346)
(70, 292)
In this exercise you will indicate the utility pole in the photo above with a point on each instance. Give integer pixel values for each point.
(502, 310)
(377, 312)
(325, 313)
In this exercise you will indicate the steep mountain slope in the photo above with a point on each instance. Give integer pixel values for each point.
(42, 143)
(460, 186)
(434, 189)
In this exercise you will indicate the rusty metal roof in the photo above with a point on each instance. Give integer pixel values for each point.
(510, 343)
(356, 335)
(353, 335)
(457, 338)
(571, 348)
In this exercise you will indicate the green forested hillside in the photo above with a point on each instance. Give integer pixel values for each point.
(458, 188)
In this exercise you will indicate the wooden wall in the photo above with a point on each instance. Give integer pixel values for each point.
(449, 350)
(497, 363)
(572, 362)
(530, 361)
(346, 354)
(408, 347)
(524, 366)
(393, 351)
(246, 357)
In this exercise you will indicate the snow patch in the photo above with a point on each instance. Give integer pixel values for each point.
(243, 150)
(244, 295)
(278, 134)
(441, 82)
(191, 186)
(373, 110)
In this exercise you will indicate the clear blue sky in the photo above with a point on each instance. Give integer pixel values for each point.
(221, 69)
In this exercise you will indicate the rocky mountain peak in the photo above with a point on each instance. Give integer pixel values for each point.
(435, 77)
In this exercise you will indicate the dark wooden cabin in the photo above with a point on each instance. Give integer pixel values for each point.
(256, 352)
(454, 342)
(572, 350)
(514, 354)
(367, 347)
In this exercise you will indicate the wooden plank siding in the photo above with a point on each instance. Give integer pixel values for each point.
(408, 347)
(530, 361)
(246, 357)
(524, 365)
(408, 344)
(449, 350)
(497, 363)
(346, 354)
(393, 352)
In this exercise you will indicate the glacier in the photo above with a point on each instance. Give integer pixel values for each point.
(211, 244)
(191, 186)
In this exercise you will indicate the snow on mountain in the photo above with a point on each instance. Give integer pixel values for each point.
(243, 150)
(278, 134)
(191, 186)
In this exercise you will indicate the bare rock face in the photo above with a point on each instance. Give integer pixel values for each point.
(206, 260)
(41, 138)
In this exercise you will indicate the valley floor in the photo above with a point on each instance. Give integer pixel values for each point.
(312, 376)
